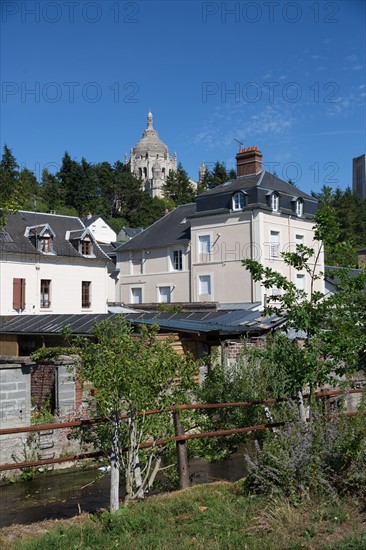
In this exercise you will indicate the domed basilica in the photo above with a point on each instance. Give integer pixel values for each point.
(150, 160)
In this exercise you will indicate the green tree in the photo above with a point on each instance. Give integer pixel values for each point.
(131, 375)
(50, 191)
(10, 196)
(178, 188)
(332, 327)
(28, 189)
(215, 177)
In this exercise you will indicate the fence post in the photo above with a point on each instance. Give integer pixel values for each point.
(181, 447)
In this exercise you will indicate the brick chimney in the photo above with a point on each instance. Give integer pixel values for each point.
(248, 161)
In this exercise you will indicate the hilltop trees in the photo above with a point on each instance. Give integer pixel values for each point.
(10, 196)
(215, 177)
(178, 188)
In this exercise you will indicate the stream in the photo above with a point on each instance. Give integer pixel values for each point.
(65, 493)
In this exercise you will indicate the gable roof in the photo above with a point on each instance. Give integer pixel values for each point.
(19, 224)
(173, 228)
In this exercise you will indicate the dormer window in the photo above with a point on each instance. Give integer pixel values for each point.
(41, 237)
(238, 201)
(45, 245)
(299, 207)
(82, 241)
(275, 202)
(86, 248)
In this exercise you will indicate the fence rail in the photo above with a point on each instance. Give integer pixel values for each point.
(180, 438)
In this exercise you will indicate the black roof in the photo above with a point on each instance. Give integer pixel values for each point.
(171, 229)
(264, 180)
(223, 323)
(258, 189)
(132, 231)
(89, 220)
(15, 242)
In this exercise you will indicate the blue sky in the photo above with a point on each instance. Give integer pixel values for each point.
(288, 77)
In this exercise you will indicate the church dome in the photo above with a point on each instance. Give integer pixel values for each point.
(150, 142)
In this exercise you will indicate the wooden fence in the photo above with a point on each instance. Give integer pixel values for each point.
(180, 438)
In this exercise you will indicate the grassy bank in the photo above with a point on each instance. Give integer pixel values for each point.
(216, 516)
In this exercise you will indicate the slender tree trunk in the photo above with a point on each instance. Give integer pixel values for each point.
(135, 460)
(114, 494)
(300, 404)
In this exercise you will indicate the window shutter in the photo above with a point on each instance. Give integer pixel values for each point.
(19, 293)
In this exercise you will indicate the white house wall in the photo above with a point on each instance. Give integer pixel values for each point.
(65, 293)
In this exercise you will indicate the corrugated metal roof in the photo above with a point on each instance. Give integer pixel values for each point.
(232, 322)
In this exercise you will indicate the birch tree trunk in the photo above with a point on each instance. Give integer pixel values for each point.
(300, 404)
(114, 493)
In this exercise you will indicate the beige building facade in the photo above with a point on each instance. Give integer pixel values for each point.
(195, 253)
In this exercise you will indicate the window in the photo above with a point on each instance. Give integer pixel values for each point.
(299, 208)
(19, 293)
(136, 295)
(177, 260)
(164, 294)
(300, 281)
(275, 202)
(204, 284)
(45, 293)
(274, 244)
(46, 245)
(204, 244)
(299, 239)
(238, 201)
(85, 294)
(86, 248)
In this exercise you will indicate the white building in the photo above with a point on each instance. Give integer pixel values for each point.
(150, 160)
(52, 264)
(102, 232)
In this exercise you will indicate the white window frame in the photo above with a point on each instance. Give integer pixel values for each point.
(299, 208)
(199, 281)
(132, 288)
(275, 202)
(204, 252)
(238, 201)
(159, 287)
(274, 245)
(299, 239)
(300, 277)
(172, 263)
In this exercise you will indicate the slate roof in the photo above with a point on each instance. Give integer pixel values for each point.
(132, 231)
(264, 180)
(257, 188)
(21, 246)
(90, 221)
(171, 229)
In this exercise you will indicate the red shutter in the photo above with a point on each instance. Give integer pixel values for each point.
(19, 293)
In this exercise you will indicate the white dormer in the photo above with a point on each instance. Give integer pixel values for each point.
(42, 237)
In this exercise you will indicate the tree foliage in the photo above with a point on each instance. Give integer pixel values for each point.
(218, 175)
(331, 327)
(178, 188)
(10, 195)
(132, 374)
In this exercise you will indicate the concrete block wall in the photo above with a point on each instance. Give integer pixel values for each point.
(15, 393)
